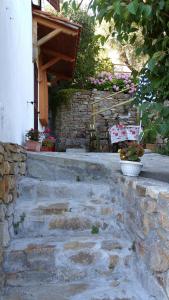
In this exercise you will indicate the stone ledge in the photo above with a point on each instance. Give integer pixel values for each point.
(146, 186)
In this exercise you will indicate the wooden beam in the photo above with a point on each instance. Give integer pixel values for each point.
(43, 96)
(59, 77)
(55, 60)
(61, 55)
(50, 63)
(51, 25)
(49, 36)
(34, 36)
(63, 77)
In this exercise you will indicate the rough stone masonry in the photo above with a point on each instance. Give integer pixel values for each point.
(72, 121)
(12, 167)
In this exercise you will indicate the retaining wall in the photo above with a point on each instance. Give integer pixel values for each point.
(72, 120)
(144, 210)
(12, 167)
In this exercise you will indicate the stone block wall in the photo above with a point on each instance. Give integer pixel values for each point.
(72, 121)
(144, 210)
(12, 167)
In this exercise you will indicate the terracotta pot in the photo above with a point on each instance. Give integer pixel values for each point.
(48, 149)
(151, 147)
(33, 146)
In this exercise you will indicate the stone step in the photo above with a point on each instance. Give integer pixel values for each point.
(68, 258)
(36, 190)
(119, 287)
(49, 205)
(54, 166)
(46, 225)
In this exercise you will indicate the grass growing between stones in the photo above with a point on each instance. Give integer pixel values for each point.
(95, 229)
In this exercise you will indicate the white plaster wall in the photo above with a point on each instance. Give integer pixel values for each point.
(16, 70)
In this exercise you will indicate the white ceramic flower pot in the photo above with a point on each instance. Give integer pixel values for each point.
(131, 168)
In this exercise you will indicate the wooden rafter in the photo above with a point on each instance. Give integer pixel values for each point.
(59, 77)
(49, 36)
(55, 53)
(51, 25)
(50, 63)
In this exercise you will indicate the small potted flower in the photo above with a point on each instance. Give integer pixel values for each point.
(33, 140)
(48, 144)
(130, 159)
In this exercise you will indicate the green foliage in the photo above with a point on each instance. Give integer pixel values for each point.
(78, 178)
(164, 149)
(89, 44)
(59, 97)
(17, 224)
(152, 17)
(155, 119)
(33, 135)
(95, 229)
(104, 64)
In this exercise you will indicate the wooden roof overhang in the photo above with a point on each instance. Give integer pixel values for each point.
(55, 41)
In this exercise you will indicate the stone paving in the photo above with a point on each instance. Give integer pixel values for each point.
(155, 166)
(71, 244)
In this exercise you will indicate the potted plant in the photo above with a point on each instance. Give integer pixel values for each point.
(130, 159)
(33, 140)
(150, 139)
(48, 144)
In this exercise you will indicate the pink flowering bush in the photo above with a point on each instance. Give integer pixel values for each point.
(106, 81)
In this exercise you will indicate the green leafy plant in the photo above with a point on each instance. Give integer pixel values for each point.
(78, 178)
(17, 225)
(61, 96)
(163, 149)
(49, 142)
(95, 229)
(89, 45)
(33, 135)
(155, 119)
(150, 19)
(104, 64)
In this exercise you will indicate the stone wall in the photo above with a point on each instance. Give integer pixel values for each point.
(72, 121)
(12, 167)
(144, 210)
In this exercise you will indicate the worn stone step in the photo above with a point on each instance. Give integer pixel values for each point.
(34, 190)
(65, 167)
(45, 225)
(116, 288)
(64, 215)
(80, 255)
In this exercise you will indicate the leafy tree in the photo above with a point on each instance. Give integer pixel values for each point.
(125, 50)
(89, 45)
(151, 17)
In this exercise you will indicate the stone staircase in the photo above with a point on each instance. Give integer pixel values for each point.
(66, 241)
